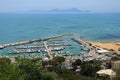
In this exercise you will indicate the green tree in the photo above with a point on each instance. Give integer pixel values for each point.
(47, 77)
(77, 62)
(115, 58)
(117, 70)
(90, 68)
(9, 71)
(58, 60)
(29, 69)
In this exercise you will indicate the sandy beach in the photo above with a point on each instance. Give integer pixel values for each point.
(106, 45)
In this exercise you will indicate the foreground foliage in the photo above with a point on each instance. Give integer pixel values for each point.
(36, 69)
(90, 68)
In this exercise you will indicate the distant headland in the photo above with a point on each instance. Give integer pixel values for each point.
(70, 10)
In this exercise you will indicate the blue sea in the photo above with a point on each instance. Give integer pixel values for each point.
(92, 26)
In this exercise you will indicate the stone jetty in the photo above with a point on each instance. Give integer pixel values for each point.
(84, 44)
(91, 52)
(33, 40)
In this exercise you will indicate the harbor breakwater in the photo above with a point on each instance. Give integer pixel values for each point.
(33, 40)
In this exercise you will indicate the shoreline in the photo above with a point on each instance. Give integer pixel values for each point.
(108, 45)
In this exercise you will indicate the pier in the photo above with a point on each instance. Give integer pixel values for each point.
(16, 51)
(84, 44)
(49, 52)
(86, 56)
(28, 47)
(33, 40)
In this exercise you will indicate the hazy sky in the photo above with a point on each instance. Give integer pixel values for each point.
(92, 5)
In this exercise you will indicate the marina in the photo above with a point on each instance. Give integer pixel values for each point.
(51, 47)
